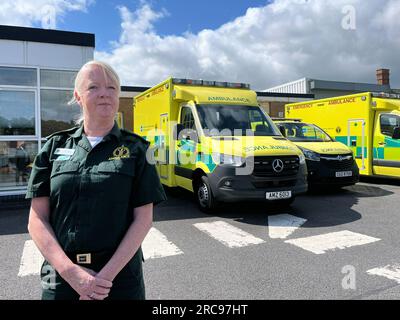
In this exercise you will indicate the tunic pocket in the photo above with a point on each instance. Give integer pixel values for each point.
(63, 180)
(115, 179)
(125, 166)
(61, 167)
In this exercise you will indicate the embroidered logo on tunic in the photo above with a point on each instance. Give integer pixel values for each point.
(120, 152)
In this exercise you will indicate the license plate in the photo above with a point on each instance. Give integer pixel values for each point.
(341, 174)
(279, 195)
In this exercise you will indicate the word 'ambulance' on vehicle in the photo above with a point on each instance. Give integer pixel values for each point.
(213, 139)
(368, 123)
(329, 163)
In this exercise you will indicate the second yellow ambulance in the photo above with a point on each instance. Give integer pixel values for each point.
(368, 123)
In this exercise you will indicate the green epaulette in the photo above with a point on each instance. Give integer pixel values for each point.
(133, 136)
(63, 132)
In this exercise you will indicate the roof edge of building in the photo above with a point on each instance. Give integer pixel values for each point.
(15, 33)
(284, 95)
(134, 88)
(346, 86)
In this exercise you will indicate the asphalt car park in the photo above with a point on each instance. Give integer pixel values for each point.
(327, 245)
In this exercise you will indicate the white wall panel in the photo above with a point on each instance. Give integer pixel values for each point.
(54, 55)
(298, 86)
(11, 52)
(88, 54)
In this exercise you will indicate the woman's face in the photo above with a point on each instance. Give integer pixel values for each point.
(97, 95)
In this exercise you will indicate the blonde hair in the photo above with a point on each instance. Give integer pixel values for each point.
(108, 72)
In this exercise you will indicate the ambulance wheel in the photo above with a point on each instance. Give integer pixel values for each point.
(205, 198)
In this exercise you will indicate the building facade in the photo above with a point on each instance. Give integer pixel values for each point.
(126, 104)
(274, 102)
(37, 72)
(325, 89)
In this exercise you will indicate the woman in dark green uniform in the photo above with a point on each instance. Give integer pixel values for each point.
(92, 196)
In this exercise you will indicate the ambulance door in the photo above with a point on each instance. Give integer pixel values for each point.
(186, 148)
(357, 141)
(163, 151)
(386, 146)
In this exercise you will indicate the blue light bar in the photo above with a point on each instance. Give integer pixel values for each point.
(220, 84)
(385, 95)
(194, 82)
(210, 83)
(178, 81)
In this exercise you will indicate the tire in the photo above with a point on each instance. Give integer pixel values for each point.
(204, 196)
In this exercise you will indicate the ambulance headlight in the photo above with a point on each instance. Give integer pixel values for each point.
(310, 155)
(302, 159)
(227, 160)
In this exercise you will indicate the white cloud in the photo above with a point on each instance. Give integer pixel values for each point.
(43, 13)
(282, 41)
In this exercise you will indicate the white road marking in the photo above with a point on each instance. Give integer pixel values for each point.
(227, 234)
(31, 260)
(390, 272)
(156, 245)
(331, 241)
(283, 225)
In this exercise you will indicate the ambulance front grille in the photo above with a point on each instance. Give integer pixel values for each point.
(263, 166)
(274, 183)
(337, 162)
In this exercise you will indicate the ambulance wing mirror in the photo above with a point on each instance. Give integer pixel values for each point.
(282, 130)
(189, 135)
(396, 133)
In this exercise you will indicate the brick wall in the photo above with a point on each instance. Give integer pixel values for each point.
(126, 107)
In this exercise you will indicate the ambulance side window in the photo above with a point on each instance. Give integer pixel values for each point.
(187, 119)
(388, 123)
(258, 124)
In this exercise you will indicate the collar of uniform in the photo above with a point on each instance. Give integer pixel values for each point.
(77, 132)
(115, 131)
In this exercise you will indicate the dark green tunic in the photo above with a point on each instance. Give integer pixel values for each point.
(93, 191)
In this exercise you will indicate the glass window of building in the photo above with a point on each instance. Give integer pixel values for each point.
(57, 79)
(56, 114)
(17, 112)
(18, 76)
(16, 159)
(25, 104)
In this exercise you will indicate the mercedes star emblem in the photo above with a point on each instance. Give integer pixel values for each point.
(277, 165)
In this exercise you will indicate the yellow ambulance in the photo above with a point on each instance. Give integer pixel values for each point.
(329, 163)
(368, 123)
(213, 139)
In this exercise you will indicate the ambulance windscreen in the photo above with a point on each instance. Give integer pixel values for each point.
(303, 132)
(230, 120)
